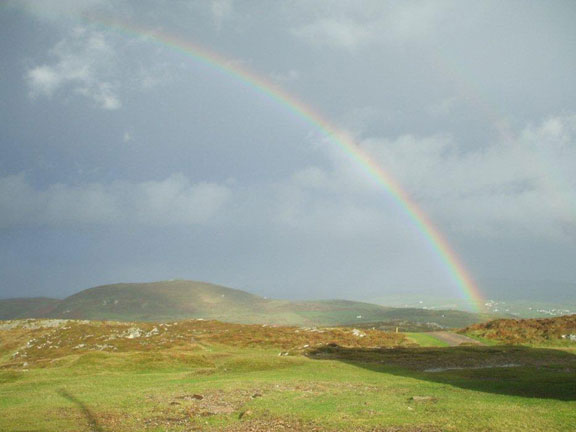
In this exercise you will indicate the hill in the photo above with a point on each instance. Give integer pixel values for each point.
(180, 299)
(527, 331)
(158, 301)
(36, 307)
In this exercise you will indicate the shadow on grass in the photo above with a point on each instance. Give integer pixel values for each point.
(86, 412)
(506, 370)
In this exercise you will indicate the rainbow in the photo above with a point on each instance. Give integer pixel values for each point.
(468, 289)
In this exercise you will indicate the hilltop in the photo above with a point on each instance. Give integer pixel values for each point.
(181, 299)
(157, 301)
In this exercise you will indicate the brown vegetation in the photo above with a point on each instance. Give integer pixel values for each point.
(41, 342)
(527, 330)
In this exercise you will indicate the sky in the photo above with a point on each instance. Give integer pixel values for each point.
(125, 159)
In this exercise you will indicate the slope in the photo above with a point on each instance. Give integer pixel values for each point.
(35, 307)
(158, 301)
(180, 299)
(541, 331)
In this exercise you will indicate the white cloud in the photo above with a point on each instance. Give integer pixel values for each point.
(288, 76)
(510, 187)
(341, 32)
(153, 74)
(44, 80)
(222, 10)
(177, 201)
(103, 94)
(444, 107)
(505, 190)
(127, 137)
(334, 215)
(172, 201)
(59, 9)
(349, 25)
(84, 62)
(413, 20)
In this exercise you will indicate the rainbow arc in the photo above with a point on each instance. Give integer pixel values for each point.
(467, 287)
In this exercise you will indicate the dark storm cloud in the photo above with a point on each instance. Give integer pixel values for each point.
(112, 141)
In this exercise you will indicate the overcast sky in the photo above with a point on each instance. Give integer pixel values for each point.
(126, 160)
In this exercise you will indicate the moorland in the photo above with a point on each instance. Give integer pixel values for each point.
(85, 375)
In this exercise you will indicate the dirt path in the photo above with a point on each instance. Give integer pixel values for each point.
(454, 339)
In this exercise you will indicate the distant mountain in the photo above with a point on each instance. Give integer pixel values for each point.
(36, 307)
(180, 299)
(158, 301)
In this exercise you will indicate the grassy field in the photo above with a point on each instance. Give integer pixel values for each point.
(257, 378)
(425, 340)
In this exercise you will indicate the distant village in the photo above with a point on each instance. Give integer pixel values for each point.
(520, 309)
(503, 307)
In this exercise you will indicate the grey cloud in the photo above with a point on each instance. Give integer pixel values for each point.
(341, 32)
(172, 201)
(510, 186)
(421, 85)
(333, 215)
(52, 10)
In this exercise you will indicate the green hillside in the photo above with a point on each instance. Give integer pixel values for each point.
(158, 301)
(36, 307)
(180, 299)
(446, 318)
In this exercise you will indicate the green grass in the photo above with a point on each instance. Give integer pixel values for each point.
(330, 393)
(426, 340)
(232, 378)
